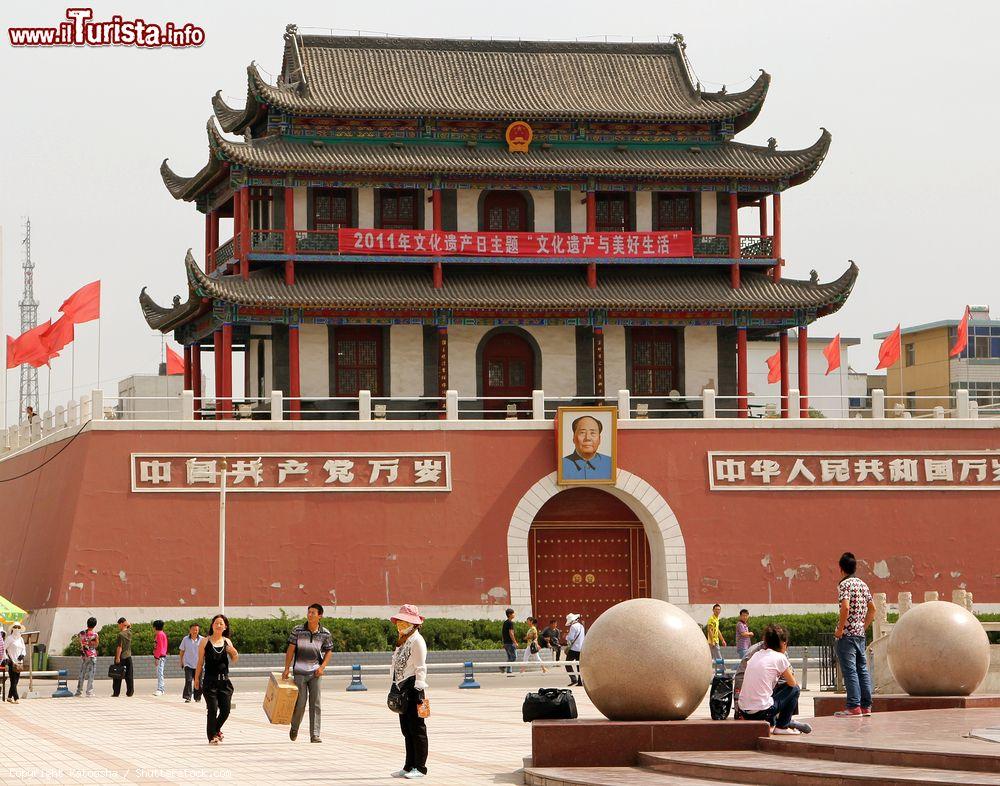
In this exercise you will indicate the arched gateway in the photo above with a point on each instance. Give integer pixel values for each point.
(667, 566)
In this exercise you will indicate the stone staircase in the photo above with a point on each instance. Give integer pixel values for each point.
(782, 761)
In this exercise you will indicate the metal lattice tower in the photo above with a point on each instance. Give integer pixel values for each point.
(29, 320)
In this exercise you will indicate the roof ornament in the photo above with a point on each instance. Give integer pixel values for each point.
(248, 133)
(678, 40)
(177, 300)
(722, 92)
(813, 277)
(291, 30)
(772, 143)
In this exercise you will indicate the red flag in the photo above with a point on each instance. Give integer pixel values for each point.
(962, 339)
(888, 353)
(58, 335)
(832, 354)
(30, 348)
(175, 363)
(12, 361)
(84, 304)
(774, 368)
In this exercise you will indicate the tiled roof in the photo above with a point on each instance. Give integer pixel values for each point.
(508, 288)
(348, 76)
(727, 160)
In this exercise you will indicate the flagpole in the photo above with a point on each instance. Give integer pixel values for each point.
(72, 373)
(99, 385)
(48, 395)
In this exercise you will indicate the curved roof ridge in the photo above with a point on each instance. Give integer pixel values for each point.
(165, 318)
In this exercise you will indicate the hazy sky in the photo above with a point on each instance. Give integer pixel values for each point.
(908, 91)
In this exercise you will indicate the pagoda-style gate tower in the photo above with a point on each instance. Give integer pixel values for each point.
(555, 144)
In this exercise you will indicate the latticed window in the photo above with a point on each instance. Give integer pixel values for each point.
(398, 209)
(332, 208)
(654, 361)
(613, 214)
(358, 359)
(674, 211)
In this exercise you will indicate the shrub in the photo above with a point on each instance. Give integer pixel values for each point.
(349, 635)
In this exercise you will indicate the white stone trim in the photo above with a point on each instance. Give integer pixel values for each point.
(667, 553)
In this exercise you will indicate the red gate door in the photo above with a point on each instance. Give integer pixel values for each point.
(587, 570)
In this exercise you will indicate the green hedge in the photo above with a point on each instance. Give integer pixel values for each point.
(349, 635)
(375, 635)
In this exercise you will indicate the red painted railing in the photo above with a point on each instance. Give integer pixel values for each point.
(324, 241)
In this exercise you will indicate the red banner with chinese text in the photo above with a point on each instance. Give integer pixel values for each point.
(429, 242)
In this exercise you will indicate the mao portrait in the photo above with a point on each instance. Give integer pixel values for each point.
(587, 445)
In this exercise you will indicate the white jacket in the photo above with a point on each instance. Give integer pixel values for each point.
(410, 660)
(15, 648)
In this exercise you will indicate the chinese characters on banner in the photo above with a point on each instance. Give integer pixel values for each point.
(292, 472)
(887, 471)
(428, 242)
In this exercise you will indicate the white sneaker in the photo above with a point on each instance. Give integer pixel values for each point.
(157, 692)
(399, 774)
(785, 731)
(413, 775)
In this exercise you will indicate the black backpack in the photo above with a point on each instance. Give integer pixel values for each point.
(721, 697)
(549, 704)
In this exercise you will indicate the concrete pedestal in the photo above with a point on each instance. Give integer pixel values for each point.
(830, 703)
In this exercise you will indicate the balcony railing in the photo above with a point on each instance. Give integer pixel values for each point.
(325, 242)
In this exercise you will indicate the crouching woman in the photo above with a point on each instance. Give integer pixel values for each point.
(409, 677)
(769, 690)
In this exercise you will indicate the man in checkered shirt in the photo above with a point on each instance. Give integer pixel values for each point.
(856, 613)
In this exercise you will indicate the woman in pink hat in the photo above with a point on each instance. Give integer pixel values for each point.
(409, 675)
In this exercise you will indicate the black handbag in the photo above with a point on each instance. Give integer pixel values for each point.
(116, 670)
(398, 699)
(549, 704)
(534, 648)
(721, 696)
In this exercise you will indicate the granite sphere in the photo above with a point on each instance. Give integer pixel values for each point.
(644, 660)
(938, 649)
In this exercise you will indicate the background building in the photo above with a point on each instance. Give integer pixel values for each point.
(925, 376)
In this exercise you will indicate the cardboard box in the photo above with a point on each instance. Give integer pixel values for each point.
(279, 700)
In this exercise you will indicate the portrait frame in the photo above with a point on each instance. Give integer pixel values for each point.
(578, 471)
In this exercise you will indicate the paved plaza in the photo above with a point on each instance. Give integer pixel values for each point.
(476, 736)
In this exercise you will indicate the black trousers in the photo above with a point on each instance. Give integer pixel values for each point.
(572, 655)
(785, 707)
(414, 733)
(218, 702)
(116, 682)
(14, 676)
(189, 690)
(556, 652)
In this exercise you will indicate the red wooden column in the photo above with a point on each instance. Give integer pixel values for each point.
(783, 346)
(247, 232)
(227, 369)
(294, 386)
(803, 343)
(442, 366)
(214, 235)
(237, 229)
(187, 367)
(289, 235)
(741, 372)
(196, 378)
(599, 362)
(734, 239)
(220, 389)
(762, 205)
(438, 273)
(776, 211)
(592, 227)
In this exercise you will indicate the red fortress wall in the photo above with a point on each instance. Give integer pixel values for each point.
(75, 535)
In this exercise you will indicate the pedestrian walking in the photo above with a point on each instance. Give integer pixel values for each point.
(857, 610)
(309, 649)
(160, 647)
(509, 638)
(123, 656)
(409, 679)
(551, 637)
(744, 636)
(211, 676)
(16, 652)
(532, 651)
(188, 649)
(715, 637)
(89, 639)
(574, 640)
